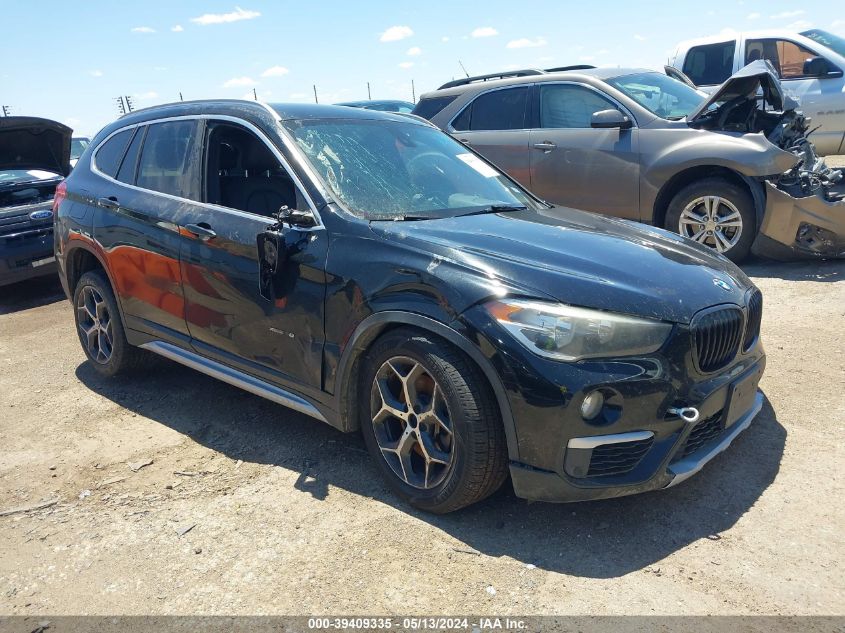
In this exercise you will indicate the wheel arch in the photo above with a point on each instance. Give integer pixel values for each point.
(687, 176)
(379, 323)
(81, 258)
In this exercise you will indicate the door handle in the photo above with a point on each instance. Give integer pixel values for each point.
(201, 230)
(546, 146)
(108, 203)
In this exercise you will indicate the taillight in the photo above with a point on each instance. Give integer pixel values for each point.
(61, 194)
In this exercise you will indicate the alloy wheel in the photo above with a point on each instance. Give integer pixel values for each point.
(411, 422)
(95, 324)
(713, 221)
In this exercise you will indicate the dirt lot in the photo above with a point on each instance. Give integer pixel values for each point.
(246, 507)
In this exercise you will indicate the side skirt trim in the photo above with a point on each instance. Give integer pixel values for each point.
(234, 377)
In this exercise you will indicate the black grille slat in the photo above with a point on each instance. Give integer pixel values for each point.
(704, 432)
(717, 335)
(618, 459)
(755, 318)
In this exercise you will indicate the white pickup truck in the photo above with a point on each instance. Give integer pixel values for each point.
(810, 65)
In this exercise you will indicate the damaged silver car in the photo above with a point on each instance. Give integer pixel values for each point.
(735, 170)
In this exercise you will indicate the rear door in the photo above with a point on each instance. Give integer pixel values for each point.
(575, 165)
(494, 124)
(245, 182)
(150, 173)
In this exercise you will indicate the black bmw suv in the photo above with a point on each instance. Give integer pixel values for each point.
(368, 270)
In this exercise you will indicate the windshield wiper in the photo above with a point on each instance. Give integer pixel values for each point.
(494, 208)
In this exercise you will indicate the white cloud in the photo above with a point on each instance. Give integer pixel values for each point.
(146, 96)
(143, 29)
(785, 15)
(414, 51)
(799, 25)
(484, 31)
(752, 16)
(525, 42)
(95, 73)
(240, 82)
(222, 18)
(406, 65)
(396, 33)
(177, 29)
(275, 71)
(640, 38)
(444, 39)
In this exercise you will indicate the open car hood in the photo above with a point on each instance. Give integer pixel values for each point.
(746, 82)
(33, 143)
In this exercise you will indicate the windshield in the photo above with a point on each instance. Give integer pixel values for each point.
(77, 146)
(14, 176)
(386, 170)
(660, 94)
(833, 42)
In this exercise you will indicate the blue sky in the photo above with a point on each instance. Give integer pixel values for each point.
(68, 60)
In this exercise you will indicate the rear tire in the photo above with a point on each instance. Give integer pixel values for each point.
(100, 328)
(715, 213)
(431, 422)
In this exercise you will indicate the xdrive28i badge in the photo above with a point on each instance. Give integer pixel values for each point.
(724, 285)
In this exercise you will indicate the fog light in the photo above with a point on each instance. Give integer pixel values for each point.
(592, 405)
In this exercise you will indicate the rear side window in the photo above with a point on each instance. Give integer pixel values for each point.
(497, 110)
(428, 108)
(128, 167)
(168, 159)
(564, 106)
(710, 64)
(108, 156)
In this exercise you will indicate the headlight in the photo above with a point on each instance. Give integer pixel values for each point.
(564, 332)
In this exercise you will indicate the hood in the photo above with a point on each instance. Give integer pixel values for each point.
(746, 82)
(32, 143)
(580, 259)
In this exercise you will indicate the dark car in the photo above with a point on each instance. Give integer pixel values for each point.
(382, 105)
(34, 158)
(370, 271)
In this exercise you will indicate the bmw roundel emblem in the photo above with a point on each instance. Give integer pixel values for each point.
(724, 285)
(41, 214)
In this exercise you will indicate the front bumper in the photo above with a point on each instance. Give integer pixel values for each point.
(539, 485)
(25, 257)
(800, 227)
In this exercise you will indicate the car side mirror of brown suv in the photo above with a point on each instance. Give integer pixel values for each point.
(609, 119)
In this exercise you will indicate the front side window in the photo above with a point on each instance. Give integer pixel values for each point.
(566, 106)
(787, 57)
(710, 64)
(498, 110)
(111, 152)
(168, 159)
(390, 170)
(660, 94)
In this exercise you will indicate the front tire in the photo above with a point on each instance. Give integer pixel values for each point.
(716, 213)
(430, 421)
(100, 327)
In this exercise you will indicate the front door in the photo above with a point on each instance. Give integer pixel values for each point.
(575, 165)
(277, 337)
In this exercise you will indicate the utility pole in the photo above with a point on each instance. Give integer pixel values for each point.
(315, 94)
(369, 96)
(180, 97)
(121, 108)
(255, 94)
(124, 104)
(7, 110)
(413, 92)
(129, 105)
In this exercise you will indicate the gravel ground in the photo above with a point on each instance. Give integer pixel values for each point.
(244, 507)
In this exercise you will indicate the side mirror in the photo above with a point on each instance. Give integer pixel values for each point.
(272, 253)
(820, 67)
(610, 119)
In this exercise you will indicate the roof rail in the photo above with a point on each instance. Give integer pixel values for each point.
(575, 67)
(512, 73)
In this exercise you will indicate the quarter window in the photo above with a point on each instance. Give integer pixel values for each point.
(787, 57)
(126, 173)
(168, 158)
(563, 106)
(497, 110)
(111, 152)
(710, 64)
